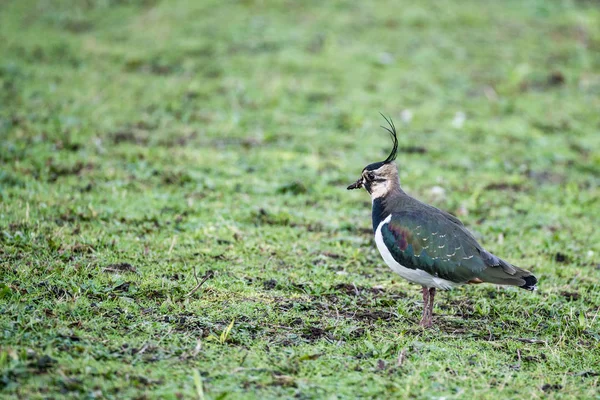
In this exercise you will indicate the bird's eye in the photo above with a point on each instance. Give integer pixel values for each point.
(370, 176)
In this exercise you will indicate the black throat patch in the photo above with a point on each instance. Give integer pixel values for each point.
(378, 213)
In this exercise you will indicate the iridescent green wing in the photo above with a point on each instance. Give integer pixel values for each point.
(435, 243)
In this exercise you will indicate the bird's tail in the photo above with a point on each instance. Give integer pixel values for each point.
(530, 282)
(521, 278)
(502, 273)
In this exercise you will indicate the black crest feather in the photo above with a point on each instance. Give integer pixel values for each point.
(392, 132)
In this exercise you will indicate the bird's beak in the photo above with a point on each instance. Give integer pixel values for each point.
(356, 185)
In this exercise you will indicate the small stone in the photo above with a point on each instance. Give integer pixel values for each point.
(437, 193)
(406, 116)
(385, 58)
(459, 119)
(462, 211)
(31, 354)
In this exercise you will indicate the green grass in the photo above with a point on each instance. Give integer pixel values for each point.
(219, 136)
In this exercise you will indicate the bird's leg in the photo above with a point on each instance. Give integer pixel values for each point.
(425, 306)
(430, 311)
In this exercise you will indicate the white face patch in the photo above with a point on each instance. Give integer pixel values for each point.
(384, 179)
(379, 189)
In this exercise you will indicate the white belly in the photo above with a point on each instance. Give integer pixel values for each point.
(412, 275)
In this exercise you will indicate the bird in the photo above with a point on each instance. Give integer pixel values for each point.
(426, 245)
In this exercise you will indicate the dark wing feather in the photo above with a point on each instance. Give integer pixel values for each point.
(438, 243)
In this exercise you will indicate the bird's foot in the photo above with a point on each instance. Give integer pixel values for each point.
(426, 322)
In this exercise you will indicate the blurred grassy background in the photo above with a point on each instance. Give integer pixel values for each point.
(144, 139)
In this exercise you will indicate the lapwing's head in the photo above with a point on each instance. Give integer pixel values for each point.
(381, 177)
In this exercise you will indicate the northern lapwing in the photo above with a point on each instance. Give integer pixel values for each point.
(424, 244)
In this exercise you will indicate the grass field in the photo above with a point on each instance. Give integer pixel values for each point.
(146, 142)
